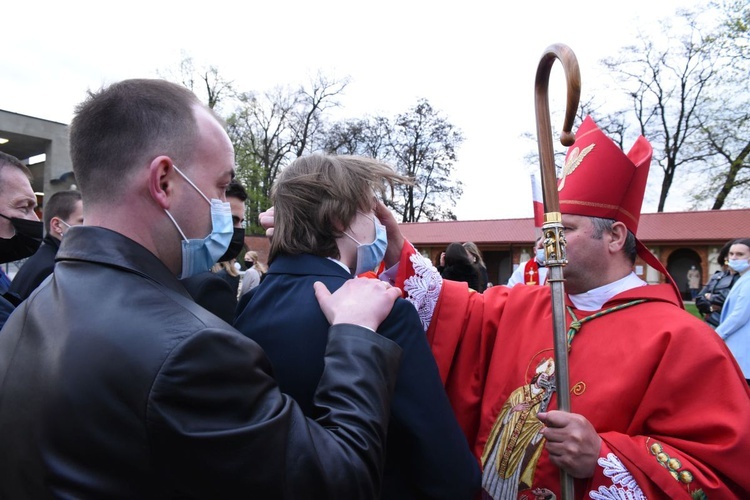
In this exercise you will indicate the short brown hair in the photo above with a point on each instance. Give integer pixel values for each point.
(605, 225)
(130, 122)
(317, 196)
(60, 205)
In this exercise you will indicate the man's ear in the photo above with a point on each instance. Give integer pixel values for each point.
(55, 227)
(618, 235)
(161, 175)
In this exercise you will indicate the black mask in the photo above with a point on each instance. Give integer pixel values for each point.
(24, 243)
(235, 246)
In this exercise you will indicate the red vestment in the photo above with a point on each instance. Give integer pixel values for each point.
(659, 386)
(531, 273)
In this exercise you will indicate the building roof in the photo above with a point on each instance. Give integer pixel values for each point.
(665, 227)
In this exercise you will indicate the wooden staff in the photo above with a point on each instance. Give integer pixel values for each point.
(554, 240)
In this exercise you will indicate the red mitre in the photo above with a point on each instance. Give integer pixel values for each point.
(600, 180)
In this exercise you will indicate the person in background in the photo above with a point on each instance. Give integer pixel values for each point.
(326, 229)
(116, 384)
(734, 325)
(62, 211)
(459, 266)
(255, 270)
(534, 270)
(693, 281)
(227, 271)
(20, 229)
(481, 268)
(216, 290)
(710, 299)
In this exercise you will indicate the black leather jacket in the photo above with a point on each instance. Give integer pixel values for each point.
(718, 286)
(115, 384)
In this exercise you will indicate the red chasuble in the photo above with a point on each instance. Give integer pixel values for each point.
(658, 385)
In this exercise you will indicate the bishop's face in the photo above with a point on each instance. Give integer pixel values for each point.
(587, 255)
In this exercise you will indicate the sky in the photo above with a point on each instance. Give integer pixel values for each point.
(473, 61)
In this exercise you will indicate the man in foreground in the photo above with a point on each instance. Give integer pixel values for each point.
(659, 408)
(115, 384)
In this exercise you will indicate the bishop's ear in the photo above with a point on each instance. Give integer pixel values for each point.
(618, 235)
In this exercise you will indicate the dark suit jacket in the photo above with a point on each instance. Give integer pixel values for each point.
(427, 454)
(115, 384)
(35, 269)
(213, 293)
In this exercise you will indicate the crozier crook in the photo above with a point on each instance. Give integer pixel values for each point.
(554, 240)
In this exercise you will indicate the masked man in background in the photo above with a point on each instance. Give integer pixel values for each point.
(20, 229)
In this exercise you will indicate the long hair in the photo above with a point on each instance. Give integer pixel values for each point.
(257, 265)
(473, 250)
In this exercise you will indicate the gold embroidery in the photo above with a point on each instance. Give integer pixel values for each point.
(673, 466)
(578, 389)
(601, 205)
(574, 161)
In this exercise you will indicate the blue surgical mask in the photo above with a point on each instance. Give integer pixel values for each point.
(541, 256)
(370, 255)
(739, 265)
(198, 255)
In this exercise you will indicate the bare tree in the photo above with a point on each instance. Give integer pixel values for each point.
(726, 124)
(259, 130)
(424, 145)
(363, 136)
(420, 144)
(668, 88)
(205, 82)
(321, 95)
(730, 140)
(271, 128)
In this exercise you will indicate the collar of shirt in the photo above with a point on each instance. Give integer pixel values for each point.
(593, 300)
(340, 263)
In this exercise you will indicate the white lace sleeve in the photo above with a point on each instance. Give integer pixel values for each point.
(423, 288)
(624, 486)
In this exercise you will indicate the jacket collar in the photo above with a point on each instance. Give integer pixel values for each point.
(306, 264)
(51, 241)
(109, 248)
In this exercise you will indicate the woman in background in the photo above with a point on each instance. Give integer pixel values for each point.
(254, 273)
(481, 267)
(459, 266)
